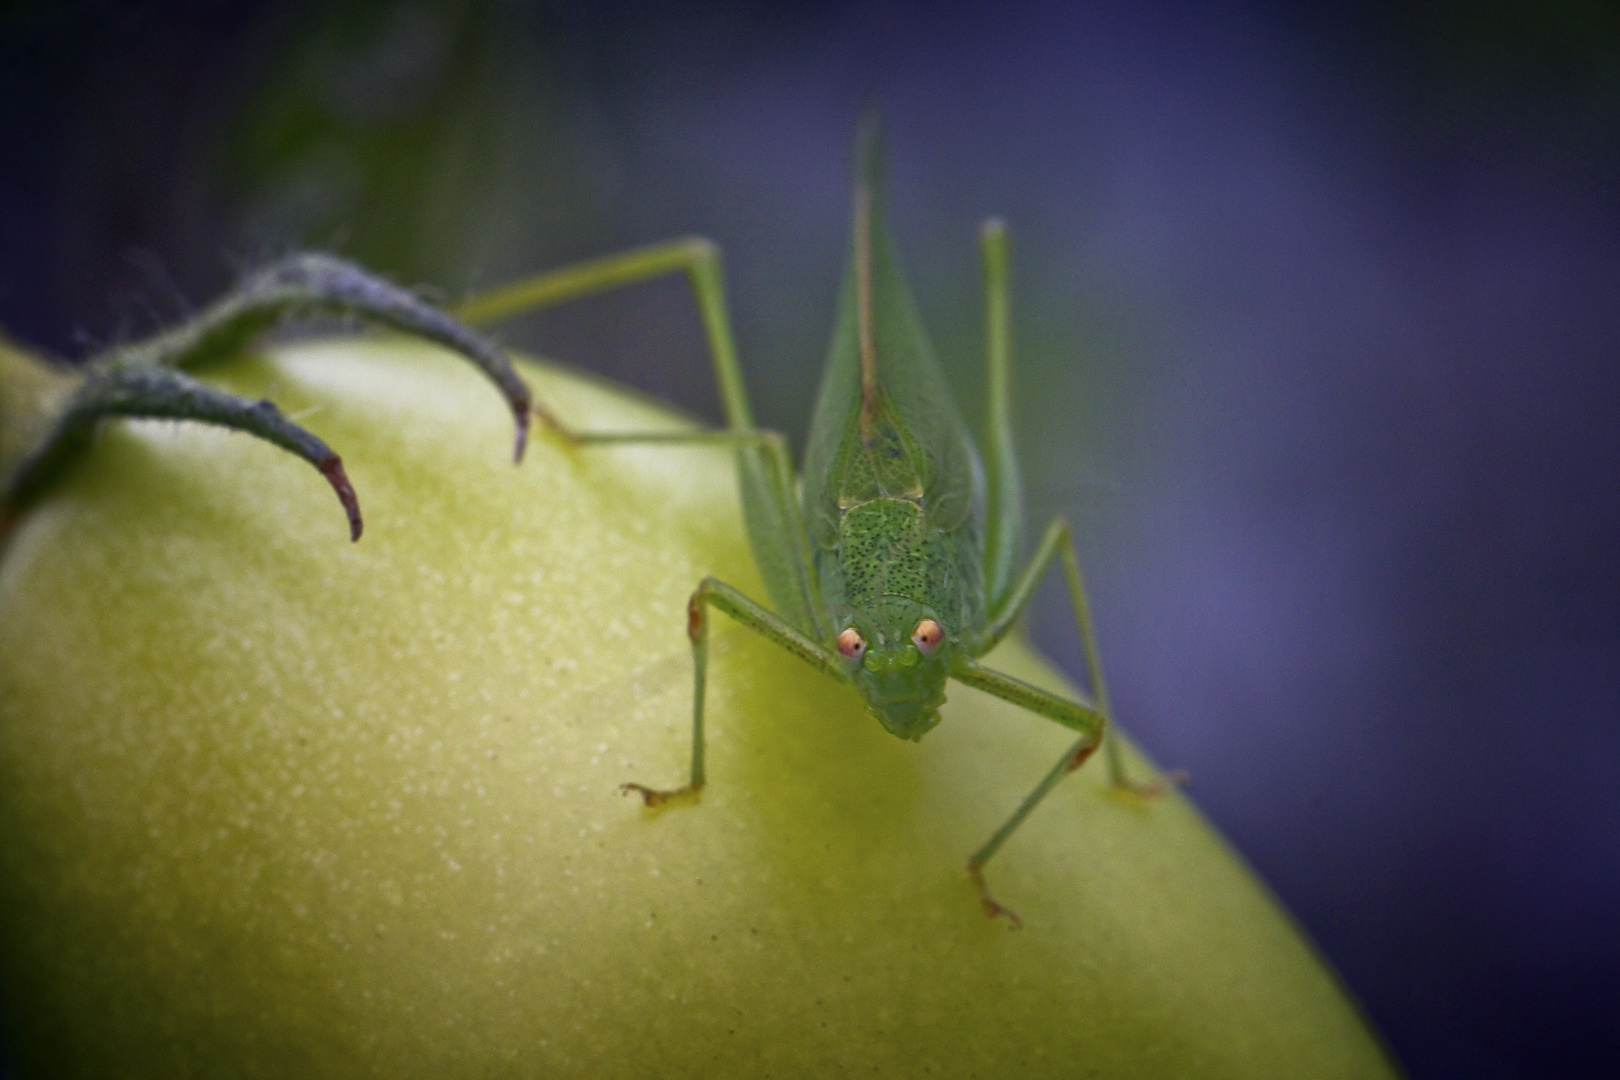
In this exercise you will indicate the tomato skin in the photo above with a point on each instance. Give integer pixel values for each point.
(272, 804)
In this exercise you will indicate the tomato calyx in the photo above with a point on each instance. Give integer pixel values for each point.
(63, 406)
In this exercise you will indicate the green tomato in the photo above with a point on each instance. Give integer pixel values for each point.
(272, 804)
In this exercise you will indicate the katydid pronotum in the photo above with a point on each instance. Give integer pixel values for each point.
(891, 561)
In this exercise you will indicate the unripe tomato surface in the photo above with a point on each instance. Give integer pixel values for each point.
(276, 805)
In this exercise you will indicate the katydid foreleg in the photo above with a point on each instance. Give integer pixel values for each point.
(767, 477)
(1087, 720)
(713, 592)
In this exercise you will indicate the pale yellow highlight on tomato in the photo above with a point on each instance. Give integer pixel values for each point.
(276, 805)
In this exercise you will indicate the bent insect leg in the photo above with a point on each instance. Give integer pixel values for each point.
(1078, 716)
(1059, 538)
(761, 620)
(765, 473)
(698, 258)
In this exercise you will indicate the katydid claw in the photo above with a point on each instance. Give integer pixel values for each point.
(992, 908)
(1153, 789)
(654, 798)
(550, 425)
(648, 795)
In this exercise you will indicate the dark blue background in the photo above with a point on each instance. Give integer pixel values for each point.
(1319, 334)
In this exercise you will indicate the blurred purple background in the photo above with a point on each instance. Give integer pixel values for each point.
(1318, 316)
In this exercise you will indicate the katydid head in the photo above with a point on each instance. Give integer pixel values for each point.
(900, 657)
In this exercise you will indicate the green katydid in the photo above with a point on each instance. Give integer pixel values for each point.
(878, 567)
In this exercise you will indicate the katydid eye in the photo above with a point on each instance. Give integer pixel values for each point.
(851, 644)
(927, 636)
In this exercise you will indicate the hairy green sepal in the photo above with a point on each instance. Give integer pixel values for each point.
(52, 412)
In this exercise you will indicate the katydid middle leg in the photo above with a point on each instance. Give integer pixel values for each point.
(1093, 721)
(1008, 595)
(1059, 538)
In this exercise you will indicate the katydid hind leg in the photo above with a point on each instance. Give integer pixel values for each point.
(1113, 751)
(765, 473)
(1004, 503)
(713, 593)
(698, 258)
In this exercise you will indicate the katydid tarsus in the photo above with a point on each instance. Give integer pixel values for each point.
(891, 564)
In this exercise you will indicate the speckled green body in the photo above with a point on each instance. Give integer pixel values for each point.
(892, 493)
(890, 569)
(888, 548)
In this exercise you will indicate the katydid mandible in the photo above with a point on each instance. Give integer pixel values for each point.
(891, 563)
